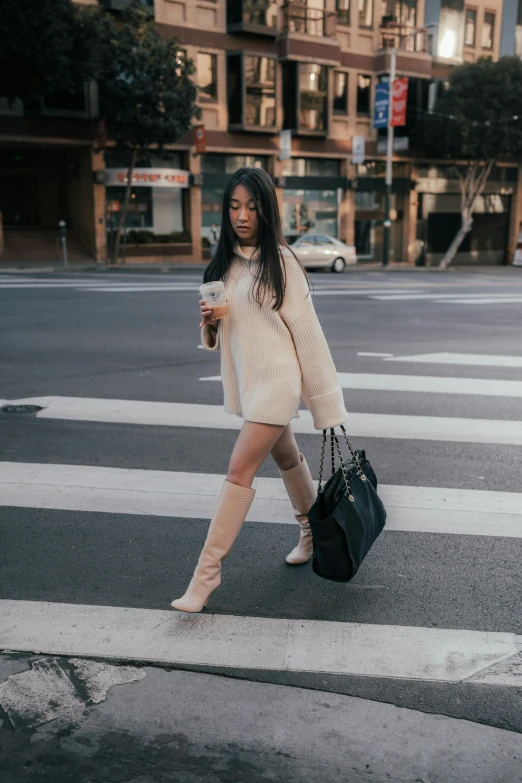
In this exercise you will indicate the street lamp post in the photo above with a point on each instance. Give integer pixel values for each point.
(389, 150)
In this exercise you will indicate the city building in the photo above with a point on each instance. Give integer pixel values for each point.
(263, 66)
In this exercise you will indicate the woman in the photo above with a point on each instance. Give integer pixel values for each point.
(273, 352)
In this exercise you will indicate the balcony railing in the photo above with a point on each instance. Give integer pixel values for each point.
(299, 18)
(407, 39)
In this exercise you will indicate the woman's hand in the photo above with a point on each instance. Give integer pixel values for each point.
(206, 314)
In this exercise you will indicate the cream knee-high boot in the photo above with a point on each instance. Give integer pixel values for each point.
(232, 507)
(302, 493)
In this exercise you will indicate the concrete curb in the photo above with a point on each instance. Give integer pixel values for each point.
(101, 269)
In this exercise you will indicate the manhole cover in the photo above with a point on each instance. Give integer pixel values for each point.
(21, 408)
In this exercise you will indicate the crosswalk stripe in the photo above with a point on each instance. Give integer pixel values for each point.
(193, 496)
(443, 296)
(427, 384)
(368, 425)
(157, 636)
(489, 300)
(89, 286)
(466, 359)
(346, 292)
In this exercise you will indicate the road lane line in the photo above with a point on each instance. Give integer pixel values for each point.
(368, 425)
(423, 384)
(176, 494)
(489, 300)
(156, 636)
(464, 359)
(371, 353)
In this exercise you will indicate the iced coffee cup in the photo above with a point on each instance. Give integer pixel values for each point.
(214, 293)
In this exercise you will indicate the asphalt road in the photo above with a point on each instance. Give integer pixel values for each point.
(65, 336)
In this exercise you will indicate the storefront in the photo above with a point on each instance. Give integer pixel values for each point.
(439, 215)
(156, 208)
(313, 191)
(217, 170)
(369, 210)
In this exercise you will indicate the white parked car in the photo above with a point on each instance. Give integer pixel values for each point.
(321, 250)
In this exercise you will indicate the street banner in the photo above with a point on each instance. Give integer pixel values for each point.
(358, 149)
(285, 145)
(381, 107)
(399, 102)
(201, 139)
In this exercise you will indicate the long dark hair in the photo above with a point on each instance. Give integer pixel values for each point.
(270, 277)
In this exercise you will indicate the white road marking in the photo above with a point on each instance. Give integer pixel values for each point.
(352, 292)
(368, 425)
(103, 288)
(424, 384)
(193, 495)
(443, 296)
(140, 289)
(465, 359)
(371, 353)
(402, 652)
(489, 300)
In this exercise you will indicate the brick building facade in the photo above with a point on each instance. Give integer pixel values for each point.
(263, 66)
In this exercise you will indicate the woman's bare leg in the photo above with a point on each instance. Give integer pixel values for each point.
(253, 445)
(286, 453)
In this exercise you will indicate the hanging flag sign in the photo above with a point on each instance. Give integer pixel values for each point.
(399, 102)
(382, 105)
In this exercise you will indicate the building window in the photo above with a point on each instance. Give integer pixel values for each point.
(309, 211)
(235, 89)
(313, 95)
(207, 76)
(403, 12)
(262, 13)
(251, 84)
(366, 13)
(471, 27)
(260, 91)
(311, 167)
(488, 31)
(340, 98)
(343, 11)
(364, 85)
(214, 163)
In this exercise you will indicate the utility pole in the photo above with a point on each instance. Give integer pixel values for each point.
(389, 163)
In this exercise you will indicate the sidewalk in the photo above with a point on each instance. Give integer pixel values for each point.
(78, 719)
(83, 268)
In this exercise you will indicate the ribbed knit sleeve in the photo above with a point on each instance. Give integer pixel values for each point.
(322, 393)
(210, 337)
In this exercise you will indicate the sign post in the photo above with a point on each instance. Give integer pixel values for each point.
(389, 163)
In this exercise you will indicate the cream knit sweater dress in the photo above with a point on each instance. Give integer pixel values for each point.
(271, 359)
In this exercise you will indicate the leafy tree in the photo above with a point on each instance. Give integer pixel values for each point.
(45, 47)
(477, 120)
(147, 95)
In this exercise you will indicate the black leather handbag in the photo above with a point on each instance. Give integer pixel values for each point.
(347, 516)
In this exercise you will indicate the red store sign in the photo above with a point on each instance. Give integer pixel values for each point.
(149, 178)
